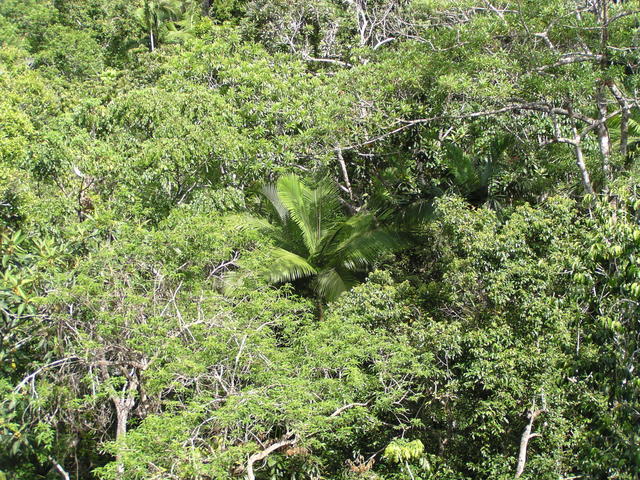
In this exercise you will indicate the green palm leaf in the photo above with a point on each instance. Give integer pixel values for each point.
(292, 193)
(364, 249)
(271, 193)
(313, 210)
(288, 267)
(359, 241)
(633, 139)
(318, 241)
(330, 283)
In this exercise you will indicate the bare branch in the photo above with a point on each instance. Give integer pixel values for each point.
(625, 107)
(32, 376)
(622, 15)
(584, 173)
(569, 58)
(544, 36)
(59, 468)
(256, 457)
(345, 174)
(524, 441)
(531, 106)
(346, 407)
(326, 60)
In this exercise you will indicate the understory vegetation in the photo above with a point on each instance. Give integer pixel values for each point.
(319, 239)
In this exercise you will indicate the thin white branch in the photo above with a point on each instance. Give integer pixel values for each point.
(32, 376)
(346, 407)
(524, 441)
(256, 457)
(59, 468)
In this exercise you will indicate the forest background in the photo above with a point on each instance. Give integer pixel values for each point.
(329, 239)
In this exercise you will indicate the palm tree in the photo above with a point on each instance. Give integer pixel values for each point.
(156, 16)
(317, 241)
(472, 174)
(633, 135)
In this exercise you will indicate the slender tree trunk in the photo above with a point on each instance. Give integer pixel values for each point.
(604, 140)
(122, 416)
(319, 308)
(524, 441)
(624, 117)
(151, 40)
(584, 173)
(345, 173)
(123, 406)
(123, 401)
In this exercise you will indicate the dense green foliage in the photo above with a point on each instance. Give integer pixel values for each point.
(328, 239)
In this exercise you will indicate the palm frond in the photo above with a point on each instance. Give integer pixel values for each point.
(168, 9)
(324, 207)
(270, 192)
(176, 34)
(461, 166)
(633, 126)
(313, 210)
(409, 216)
(143, 18)
(291, 192)
(246, 222)
(232, 281)
(287, 267)
(330, 283)
(319, 241)
(364, 249)
(359, 241)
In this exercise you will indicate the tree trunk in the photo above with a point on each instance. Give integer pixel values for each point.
(604, 140)
(122, 415)
(206, 5)
(524, 441)
(601, 98)
(345, 173)
(624, 117)
(123, 406)
(584, 173)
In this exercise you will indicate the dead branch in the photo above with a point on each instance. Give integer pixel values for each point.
(287, 440)
(32, 376)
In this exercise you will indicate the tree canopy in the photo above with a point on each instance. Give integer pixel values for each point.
(327, 239)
